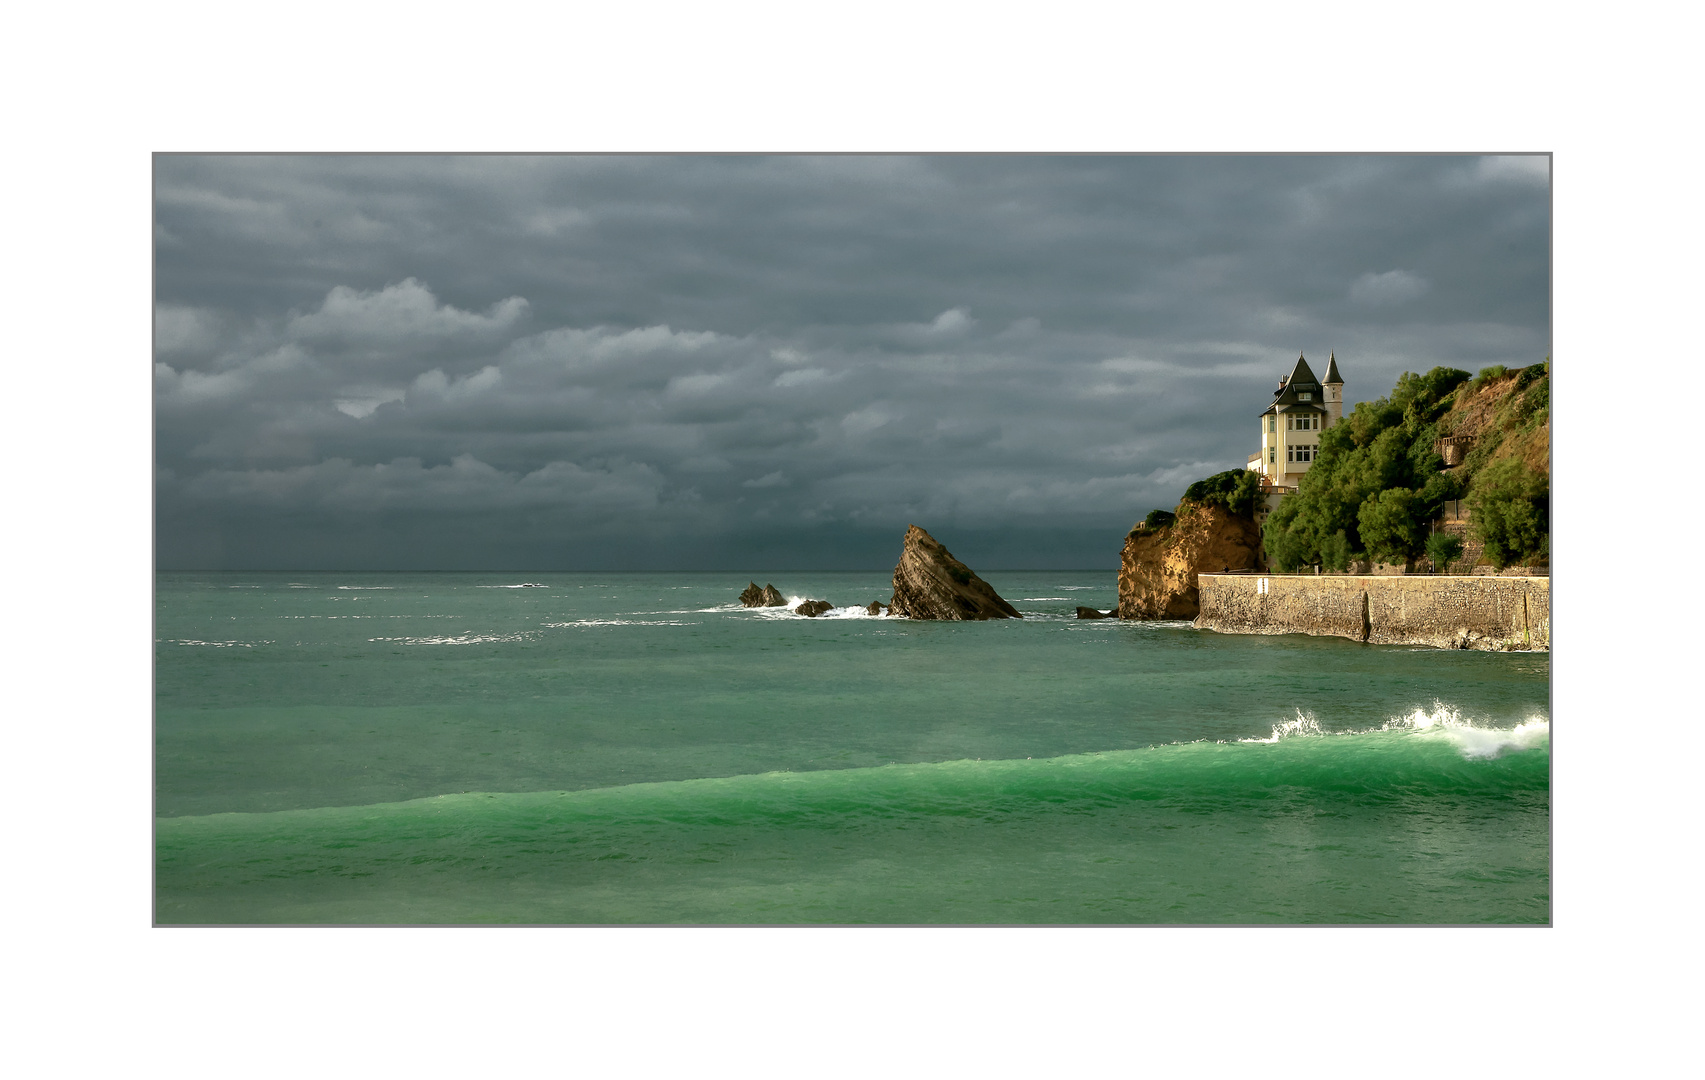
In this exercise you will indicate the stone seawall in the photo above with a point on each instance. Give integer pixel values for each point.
(1445, 612)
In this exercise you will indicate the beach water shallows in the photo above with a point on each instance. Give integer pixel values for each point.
(638, 748)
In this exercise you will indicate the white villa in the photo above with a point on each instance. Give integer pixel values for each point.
(1302, 408)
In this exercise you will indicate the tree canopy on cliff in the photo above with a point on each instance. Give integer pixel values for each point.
(1234, 489)
(1379, 481)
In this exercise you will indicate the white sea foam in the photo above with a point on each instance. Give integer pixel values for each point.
(523, 585)
(851, 611)
(1076, 588)
(1302, 726)
(1034, 599)
(218, 644)
(365, 588)
(462, 639)
(614, 622)
(1446, 722)
(369, 616)
(1441, 722)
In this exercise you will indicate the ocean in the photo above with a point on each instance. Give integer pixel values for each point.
(365, 748)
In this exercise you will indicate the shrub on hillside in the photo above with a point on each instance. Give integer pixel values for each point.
(1392, 527)
(1159, 519)
(1511, 510)
(1537, 398)
(1234, 489)
(1443, 549)
(1487, 374)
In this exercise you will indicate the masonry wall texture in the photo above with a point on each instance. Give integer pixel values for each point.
(1479, 612)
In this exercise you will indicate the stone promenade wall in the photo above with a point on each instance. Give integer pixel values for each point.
(1446, 612)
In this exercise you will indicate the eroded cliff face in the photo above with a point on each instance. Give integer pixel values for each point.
(1157, 571)
(929, 583)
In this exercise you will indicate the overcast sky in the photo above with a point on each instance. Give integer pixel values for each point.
(763, 364)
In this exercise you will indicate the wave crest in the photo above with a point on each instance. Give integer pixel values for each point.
(1303, 726)
(1447, 722)
(1442, 721)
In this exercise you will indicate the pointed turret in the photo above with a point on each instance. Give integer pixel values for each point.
(1333, 384)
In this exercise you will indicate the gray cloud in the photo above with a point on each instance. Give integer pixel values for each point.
(1391, 287)
(692, 362)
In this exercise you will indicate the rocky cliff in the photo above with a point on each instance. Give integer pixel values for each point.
(929, 583)
(1157, 571)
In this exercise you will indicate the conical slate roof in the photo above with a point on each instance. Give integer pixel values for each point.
(1301, 381)
(1332, 375)
(1300, 374)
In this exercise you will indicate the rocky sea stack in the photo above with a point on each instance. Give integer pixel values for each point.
(764, 597)
(929, 583)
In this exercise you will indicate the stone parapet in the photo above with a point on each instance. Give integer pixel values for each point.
(1447, 612)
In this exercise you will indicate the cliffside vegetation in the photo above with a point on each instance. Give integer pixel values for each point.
(1235, 489)
(1379, 480)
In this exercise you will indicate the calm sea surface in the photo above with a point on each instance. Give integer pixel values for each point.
(391, 748)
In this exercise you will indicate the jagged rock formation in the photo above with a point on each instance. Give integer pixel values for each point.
(1158, 568)
(929, 583)
(813, 608)
(1095, 613)
(764, 597)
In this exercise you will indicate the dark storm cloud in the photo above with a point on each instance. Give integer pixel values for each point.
(695, 362)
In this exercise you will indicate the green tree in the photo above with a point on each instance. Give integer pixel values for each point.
(1511, 512)
(1391, 526)
(1234, 489)
(1335, 551)
(1443, 548)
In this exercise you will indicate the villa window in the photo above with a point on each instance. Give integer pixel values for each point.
(1305, 397)
(1272, 455)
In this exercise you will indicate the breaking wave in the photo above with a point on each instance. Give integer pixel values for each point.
(1441, 722)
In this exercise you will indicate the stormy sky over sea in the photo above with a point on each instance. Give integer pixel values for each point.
(701, 362)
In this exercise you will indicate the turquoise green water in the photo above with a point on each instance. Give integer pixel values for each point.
(609, 748)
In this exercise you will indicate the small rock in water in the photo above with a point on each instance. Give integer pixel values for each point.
(813, 608)
(764, 597)
(1092, 613)
(875, 608)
